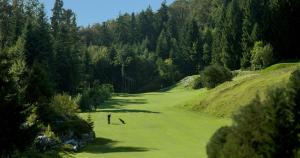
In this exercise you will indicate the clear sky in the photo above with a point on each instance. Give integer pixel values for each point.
(95, 11)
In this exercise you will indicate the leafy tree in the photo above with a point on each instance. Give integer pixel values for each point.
(262, 55)
(64, 106)
(92, 97)
(168, 71)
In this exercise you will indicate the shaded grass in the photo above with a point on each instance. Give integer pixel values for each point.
(105, 145)
(126, 111)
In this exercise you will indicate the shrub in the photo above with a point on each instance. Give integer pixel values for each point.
(64, 120)
(62, 105)
(47, 141)
(214, 75)
(196, 83)
(261, 55)
(93, 97)
(216, 143)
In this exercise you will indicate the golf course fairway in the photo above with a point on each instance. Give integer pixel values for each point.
(156, 127)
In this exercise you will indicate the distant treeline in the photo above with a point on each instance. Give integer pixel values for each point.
(153, 49)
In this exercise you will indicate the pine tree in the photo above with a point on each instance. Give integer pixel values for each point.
(17, 18)
(146, 27)
(90, 121)
(193, 47)
(56, 18)
(162, 17)
(5, 24)
(250, 29)
(133, 29)
(16, 133)
(122, 32)
(163, 44)
(231, 35)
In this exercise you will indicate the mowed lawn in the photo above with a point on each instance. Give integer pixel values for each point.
(156, 127)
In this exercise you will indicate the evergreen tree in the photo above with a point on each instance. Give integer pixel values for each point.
(56, 18)
(207, 47)
(162, 17)
(231, 35)
(146, 27)
(253, 11)
(16, 134)
(163, 44)
(5, 24)
(17, 18)
(122, 32)
(67, 57)
(133, 29)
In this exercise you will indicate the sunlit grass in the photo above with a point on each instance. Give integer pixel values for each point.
(227, 98)
(155, 127)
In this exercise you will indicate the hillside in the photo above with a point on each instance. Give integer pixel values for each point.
(228, 97)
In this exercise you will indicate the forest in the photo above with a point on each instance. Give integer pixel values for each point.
(51, 69)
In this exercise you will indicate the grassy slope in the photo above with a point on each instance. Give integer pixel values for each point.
(156, 127)
(227, 98)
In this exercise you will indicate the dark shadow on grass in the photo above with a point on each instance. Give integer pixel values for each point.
(104, 145)
(126, 111)
(115, 102)
(127, 94)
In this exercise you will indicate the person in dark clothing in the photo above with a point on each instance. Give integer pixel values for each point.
(108, 118)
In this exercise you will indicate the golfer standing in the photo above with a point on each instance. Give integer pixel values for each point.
(108, 118)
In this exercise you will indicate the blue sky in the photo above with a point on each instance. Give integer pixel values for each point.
(93, 11)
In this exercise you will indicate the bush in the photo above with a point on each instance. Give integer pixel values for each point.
(261, 55)
(196, 83)
(92, 97)
(63, 106)
(214, 75)
(63, 116)
(216, 143)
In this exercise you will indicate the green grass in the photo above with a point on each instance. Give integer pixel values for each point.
(227, 98)
(156, 127)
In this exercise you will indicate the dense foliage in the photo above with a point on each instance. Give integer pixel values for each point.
(160, 47)
(135, 52)
(91, 98)
(264, 128)
(262, 55)
(214, 75)
(37, 61)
